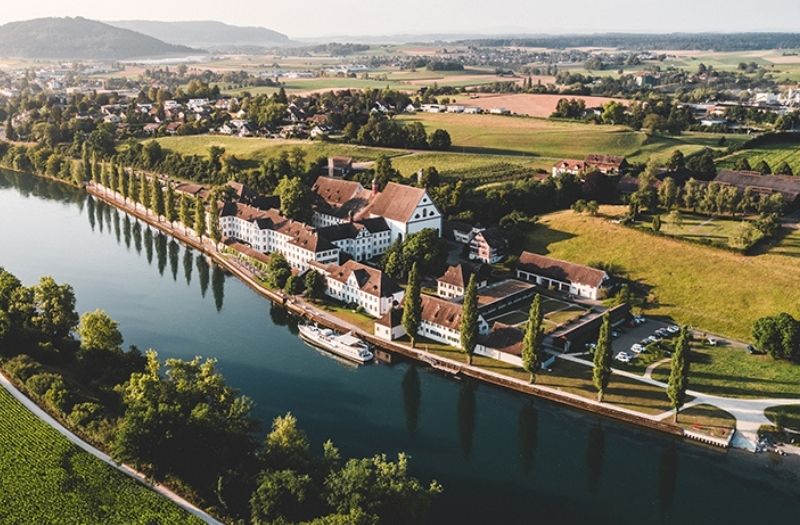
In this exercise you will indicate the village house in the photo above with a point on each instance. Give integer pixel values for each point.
(268, 231)
(454, 281)
(488, 246)
(605, 164)
(562, 276)
(361, 285)
(340, 167)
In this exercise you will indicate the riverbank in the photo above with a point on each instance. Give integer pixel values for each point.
(305, 309)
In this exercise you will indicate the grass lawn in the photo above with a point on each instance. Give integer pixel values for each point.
(716, 231)
(787, 243)
(715, 290)
(707, 419)
(362, 321)
(554, 140)
(728, 371)
(573, 378)
(785, 417)
(46, 479)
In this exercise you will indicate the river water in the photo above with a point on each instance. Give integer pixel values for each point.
(502, 457)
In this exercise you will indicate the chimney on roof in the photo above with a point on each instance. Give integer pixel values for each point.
(374, 186)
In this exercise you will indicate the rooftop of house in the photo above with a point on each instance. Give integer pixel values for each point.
(440, 312)
(561, 270)
(460, 274)
(504, 338)
(502, 291)
(597, 159)
(494, 237)
(370, 280)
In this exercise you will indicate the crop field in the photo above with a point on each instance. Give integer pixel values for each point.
(708, 288)
(530, 105)
(773, 154)
(260, 149)
(46, 479)
(553, 140)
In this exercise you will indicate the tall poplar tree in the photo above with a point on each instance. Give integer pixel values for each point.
(532, 342)
(679, 372)
(601, 374)
(169, 204)
(112, 178)
(157, 196)
(183, 211)
(199, 217)
(213, 221)
(412, 305)
(469, 318)
(95, 169)
(124, 183)
(144, 193)
(133, 187)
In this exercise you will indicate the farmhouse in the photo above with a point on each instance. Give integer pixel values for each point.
(606, 164)
(787, 186)
(571, 166)
(488, 246)
(356, 283)
(454, 281)
(563, 276)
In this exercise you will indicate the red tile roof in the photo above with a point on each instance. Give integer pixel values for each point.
(561, 270)
(397, 202)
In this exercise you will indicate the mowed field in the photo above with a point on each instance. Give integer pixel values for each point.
(708, 288)
(530, 105)
(553, 140)
(46, 479)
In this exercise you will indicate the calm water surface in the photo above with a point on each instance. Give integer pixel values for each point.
(502, 457)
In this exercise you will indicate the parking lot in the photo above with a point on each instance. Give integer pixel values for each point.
(630, 335)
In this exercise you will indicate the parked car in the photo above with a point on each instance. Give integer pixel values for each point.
(591, 346)
(673, 329)
(640, 319)
(753, 350)
(662, 332)
(614, 334)
(651, 339)
(622, 357)
(711, 341)
(637, 348)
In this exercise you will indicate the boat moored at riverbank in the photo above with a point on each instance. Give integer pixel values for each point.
(346, 345)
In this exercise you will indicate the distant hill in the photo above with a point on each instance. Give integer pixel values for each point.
(79, 38)
(206, 34)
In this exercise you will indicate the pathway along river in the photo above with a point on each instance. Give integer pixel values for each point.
(502, 457)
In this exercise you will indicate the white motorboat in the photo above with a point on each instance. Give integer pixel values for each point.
(347, 345)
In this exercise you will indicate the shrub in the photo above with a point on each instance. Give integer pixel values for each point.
(22, 367)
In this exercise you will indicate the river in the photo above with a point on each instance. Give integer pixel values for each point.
(502, 457)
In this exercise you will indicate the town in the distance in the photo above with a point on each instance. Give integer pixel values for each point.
(604, 226)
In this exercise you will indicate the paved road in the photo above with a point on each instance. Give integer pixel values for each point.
(105, 458)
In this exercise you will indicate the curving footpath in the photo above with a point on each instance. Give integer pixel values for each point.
(102, 456)
(749, 413)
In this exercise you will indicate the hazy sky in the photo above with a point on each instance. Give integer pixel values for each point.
(302, 18)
